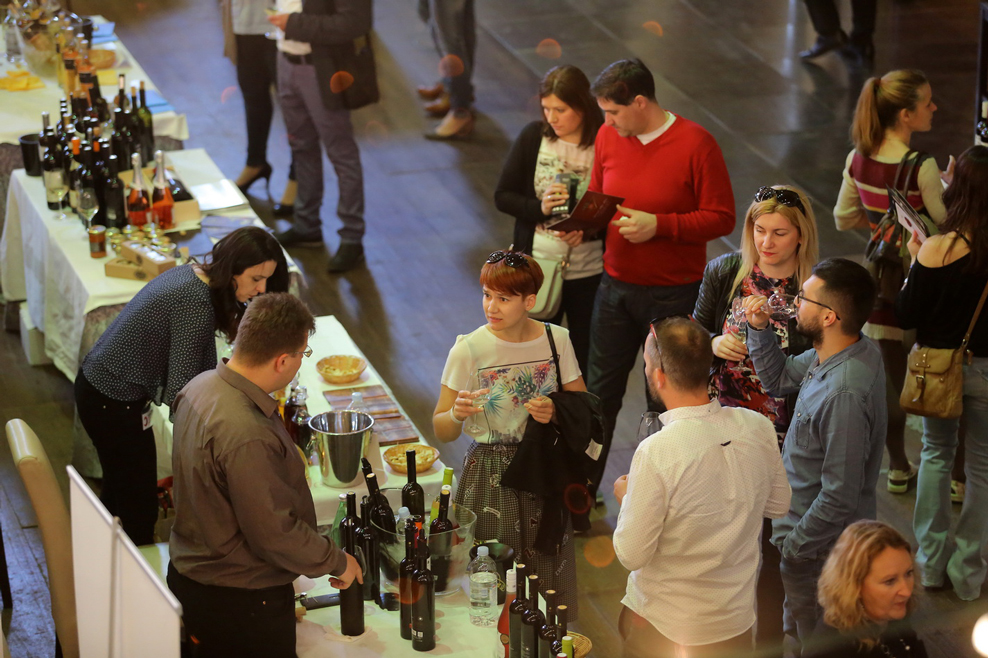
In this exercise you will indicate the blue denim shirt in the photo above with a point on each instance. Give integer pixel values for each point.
(833, 449)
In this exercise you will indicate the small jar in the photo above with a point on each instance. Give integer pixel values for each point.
(115, 243)
(111, 233)
(97, 241)
(129, 231)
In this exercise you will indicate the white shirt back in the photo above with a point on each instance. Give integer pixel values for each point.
(688, 528)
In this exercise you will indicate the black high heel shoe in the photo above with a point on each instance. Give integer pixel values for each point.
(264, 173)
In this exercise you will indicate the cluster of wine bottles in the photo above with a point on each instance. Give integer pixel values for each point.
(525, 630)
(87, 149)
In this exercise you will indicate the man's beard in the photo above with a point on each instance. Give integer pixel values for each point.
(812, 331)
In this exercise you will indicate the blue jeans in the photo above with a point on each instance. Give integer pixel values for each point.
(454, 30)
(801, 611)
(963, 563)
(618, 329)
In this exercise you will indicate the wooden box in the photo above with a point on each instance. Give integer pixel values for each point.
(146, 258)
(184, 211)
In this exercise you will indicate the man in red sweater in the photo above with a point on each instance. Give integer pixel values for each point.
(678, 197)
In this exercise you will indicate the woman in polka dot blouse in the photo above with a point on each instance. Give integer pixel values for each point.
(163, 338)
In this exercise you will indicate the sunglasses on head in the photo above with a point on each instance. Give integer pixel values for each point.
(785, 197)
(510, 258)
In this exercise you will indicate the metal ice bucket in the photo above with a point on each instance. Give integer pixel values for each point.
(341, 438)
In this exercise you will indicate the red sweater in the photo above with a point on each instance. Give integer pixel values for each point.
(681, 178)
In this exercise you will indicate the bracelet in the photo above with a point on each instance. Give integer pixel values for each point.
(453, 417)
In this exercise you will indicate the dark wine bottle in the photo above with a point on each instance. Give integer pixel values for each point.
(380, 510)
(351, 598)
(372, 580)
(406, 571)
(557, 644)
(547, 633)
(366, 467)
(113, 191)
(423, 601)
(515, 612)
(441, 542)
(54, 176)
(531, 621)
(144, 114)
(412, 495)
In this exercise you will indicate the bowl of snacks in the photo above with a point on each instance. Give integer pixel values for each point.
(425, 457)
(341, 368)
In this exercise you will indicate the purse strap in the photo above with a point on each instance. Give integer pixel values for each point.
(974, 320)
(910, 165)
(555, 355)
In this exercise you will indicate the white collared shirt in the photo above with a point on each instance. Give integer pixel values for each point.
(688, 528)
(287, 45)
(646, 138)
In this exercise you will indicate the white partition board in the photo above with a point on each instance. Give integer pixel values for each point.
(115, 587)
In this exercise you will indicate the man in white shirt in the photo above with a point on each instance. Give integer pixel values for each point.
(692, 509)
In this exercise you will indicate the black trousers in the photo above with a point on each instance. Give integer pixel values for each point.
(256, 75)
(770, 595)
(127, 454)
(577, 306)
(230, 622)
(826, 20)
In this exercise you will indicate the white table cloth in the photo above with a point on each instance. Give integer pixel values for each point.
(46, 260)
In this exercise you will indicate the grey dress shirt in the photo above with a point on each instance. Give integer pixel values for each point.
(244, 514)
(833, 449)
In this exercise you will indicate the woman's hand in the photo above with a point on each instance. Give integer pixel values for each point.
(555, 195)
(541, 409)
(571, 238)
(463, 406)
(729, 347)
(948, 176)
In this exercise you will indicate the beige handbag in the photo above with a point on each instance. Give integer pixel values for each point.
(934, 385)
(550, 295)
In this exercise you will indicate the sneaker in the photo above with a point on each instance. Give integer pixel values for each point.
(824, 44)
(348, 256)
(957, 491)
(899, 480)
(292, 238)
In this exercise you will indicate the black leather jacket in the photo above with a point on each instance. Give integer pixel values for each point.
(714, 301)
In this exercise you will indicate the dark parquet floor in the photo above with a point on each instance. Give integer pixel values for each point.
(731, 66)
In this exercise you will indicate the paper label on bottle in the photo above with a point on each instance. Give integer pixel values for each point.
(593, 450)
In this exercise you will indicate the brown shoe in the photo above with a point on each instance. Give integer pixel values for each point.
(458, 124)
(440, 107)
(431, 93)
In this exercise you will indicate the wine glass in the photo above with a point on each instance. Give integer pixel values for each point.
(88, 205)
(737, 311)
(649, 425)
(782, 304)
(477, 382)
(61, 190)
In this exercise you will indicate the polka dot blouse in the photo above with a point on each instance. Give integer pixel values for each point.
(162, 339)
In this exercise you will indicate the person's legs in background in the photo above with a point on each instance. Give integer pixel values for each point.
(801, 611)
(577, 307)
(931, 516)
(900, 470)
(860, 45)
(826, 22)
(770, 597)
(255, 76)
(454, 30)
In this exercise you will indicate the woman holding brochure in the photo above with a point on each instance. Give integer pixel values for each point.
(890, 109)
(561, 144)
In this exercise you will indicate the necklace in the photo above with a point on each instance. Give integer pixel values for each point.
(888, 652)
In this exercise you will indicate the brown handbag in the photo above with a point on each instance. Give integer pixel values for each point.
(934, 385)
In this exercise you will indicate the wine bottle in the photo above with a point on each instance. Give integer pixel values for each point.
(504, 621)
(73, 174)
(113, 193)
(335, 532)
(121, 101)
(162, 202)
(515, 611)
(144, 114)
(423, 600)
(136, 125)
(88, 201)
(99, 178)
(372, 571)
(84, 68)
(138, 201)
(351, 598)
(557, 644)
(380, 510)
(447, 482)
(54, 176)
(412, 495)
(547, 633)
(406, 571)
(43, 135)
(441, 542)
(531, 621)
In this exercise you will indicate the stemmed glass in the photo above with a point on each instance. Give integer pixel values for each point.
(88, 205)
(782, 304)
(649, 425)
(479, 382)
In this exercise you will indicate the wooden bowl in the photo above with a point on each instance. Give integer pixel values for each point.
(581, 644)
(102, 59)
(341, 368)
(425, 457)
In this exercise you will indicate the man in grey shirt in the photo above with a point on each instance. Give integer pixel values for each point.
(833, 449)
(245, 524)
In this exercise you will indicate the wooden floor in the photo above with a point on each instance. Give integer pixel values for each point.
(730, 65)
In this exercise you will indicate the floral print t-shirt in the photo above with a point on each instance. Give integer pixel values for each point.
(514, 372)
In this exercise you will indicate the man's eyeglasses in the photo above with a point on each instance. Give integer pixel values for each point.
(785, 197)
(800, 297)
(307, 352)
(510, 258)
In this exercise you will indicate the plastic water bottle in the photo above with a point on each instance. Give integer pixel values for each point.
(357, 402)
(483, 588)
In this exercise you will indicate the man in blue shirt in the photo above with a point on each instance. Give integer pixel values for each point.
(833, 449)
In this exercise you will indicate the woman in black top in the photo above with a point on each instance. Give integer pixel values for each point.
(778, 251)
(163, 338)
(561, 143)
(866, 592)
(947, 278)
